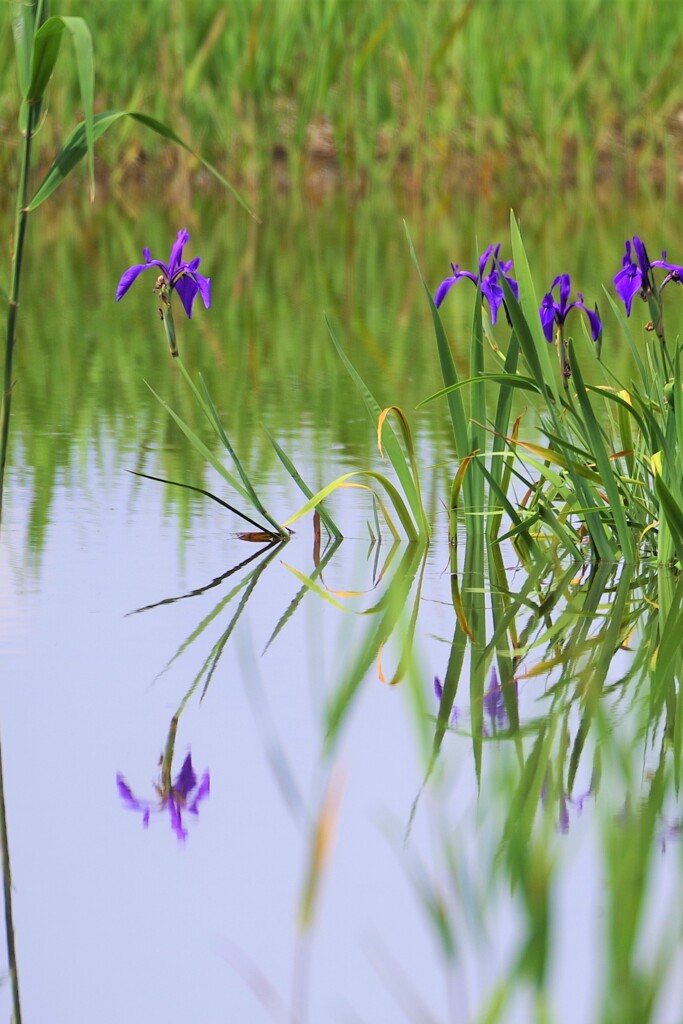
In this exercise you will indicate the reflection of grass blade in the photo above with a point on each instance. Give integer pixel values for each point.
(321, 843)
(311, 585)
(296, 601)
(377, 634)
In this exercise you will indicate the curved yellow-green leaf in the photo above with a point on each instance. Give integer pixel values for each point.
(395, 497)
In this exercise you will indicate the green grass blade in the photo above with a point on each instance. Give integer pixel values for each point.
(448, 371)
(412, 458)
(23, 31)
(303, 486)
(211, 413)
(393, 448)
(602, 459)
(529, 307)
(392, 491)
(510, 380)
(202, 449)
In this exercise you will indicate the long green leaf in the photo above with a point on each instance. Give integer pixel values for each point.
(392, 491)
(303, 486)
(509, 379)
(393, 448)
(448, 371)
(202, 449)
(46, 46)
(602, 459)
(528, 304)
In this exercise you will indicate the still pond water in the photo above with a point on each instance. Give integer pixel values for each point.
(120, 596)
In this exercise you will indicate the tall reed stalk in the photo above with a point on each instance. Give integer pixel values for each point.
(20, 222)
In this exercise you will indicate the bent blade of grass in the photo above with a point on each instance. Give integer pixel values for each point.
(392, 491)
(408, 441)
(511, 380)
(394, 450)
(554, 458)
(207, 494)
(303, 486)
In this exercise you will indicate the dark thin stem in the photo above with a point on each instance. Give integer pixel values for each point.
(17, 259)
(7, 887)
(208, 494)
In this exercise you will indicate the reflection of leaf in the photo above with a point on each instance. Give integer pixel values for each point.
(382, 626)
(319, 853)
(75, 148)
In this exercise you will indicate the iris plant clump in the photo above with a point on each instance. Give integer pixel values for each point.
(175, 797)
(176, 276)
(491, 287)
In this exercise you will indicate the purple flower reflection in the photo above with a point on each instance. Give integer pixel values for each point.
(494, 703)
(567, 803)
(438, 691)
(182, 794)
(491, 288)
(175, 276)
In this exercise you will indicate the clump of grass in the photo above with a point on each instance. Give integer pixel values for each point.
(607, 472)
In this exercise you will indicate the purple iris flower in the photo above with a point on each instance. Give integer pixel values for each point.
(635, 276)
(183, 794)
(175, 275)
(552, 312)
(491, 287)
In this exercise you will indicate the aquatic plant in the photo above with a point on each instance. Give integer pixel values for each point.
(491, 289)
(176, 275)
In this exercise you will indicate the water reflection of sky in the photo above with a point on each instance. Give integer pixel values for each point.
(117, 923)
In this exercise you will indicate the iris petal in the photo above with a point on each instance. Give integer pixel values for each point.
(176, 257)
(130, 275)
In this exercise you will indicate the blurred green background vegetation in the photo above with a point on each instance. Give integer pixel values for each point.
(485, 94)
